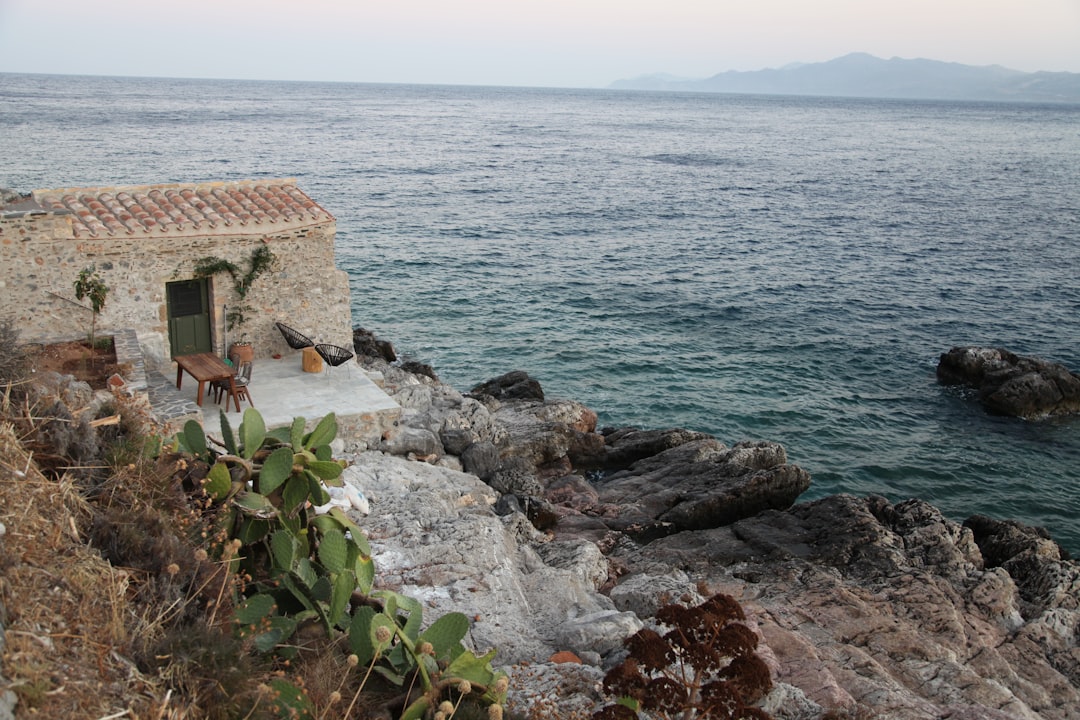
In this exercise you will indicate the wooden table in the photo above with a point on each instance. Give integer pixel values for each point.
(206, 367)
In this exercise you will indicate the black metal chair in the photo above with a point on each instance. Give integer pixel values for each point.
(296, 340)
(333, 355)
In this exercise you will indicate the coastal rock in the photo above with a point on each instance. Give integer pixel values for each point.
(552, 436)
(416, 441)
(643, 593)
(419, 368)
(435, 537)
(474, 422)
(701, 484)
(600, 632)
(366, 344)
(481, 459)
(625, 446)
(516, 476)
(457, 440)
(864, 608)
(1043, 571)
(576, 556)
(572, 491)
(514, 385)
(437, 419)
(889, 610)
(1010, 384)
(555, 690)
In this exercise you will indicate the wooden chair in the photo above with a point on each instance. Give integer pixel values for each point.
(241, 383)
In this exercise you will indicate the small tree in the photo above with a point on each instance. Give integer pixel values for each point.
(91, 286)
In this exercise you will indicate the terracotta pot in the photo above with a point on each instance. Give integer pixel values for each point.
(241, 352)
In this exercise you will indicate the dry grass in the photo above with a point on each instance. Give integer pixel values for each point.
(67, 623)
(102, 581)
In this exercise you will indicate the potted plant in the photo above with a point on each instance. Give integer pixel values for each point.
(261, 261)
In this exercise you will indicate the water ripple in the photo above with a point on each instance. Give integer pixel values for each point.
(777, 268)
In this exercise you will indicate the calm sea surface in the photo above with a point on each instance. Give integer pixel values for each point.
(754, 267)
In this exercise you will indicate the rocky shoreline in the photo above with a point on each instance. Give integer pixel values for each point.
(560, 540)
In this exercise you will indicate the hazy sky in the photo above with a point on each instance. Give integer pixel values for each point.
(564, 43)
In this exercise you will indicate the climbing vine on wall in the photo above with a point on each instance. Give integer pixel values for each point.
(262, 261)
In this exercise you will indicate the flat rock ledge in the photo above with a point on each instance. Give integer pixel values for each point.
(560, 540)
(1010, 384)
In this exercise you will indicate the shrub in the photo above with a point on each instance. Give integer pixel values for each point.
(704, 666)
(296, 569)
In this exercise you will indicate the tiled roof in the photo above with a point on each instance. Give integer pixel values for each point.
(203, 208)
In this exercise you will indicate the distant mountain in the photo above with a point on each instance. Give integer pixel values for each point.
(863, 75)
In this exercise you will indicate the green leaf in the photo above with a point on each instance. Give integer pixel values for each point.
(344, 584)
(279, 434)
(324, 433)
(360, 641)
(416, 710)
(194, 438)
(226, 521)
(324, 452)
(252, 530)
(305, 542)
(295, 494)
(415, 610)
(333, 551)
(285, 549)
(280, 629)
(358, 535)
(319, 495)
(276, 469)
(296, 704)
(218, 481)
(389, 601)
(298, 591)
(365, 574)
(252, 432)
(326, 523)
(322, 589)
(296, 433)
(306, 573)
(474, 668)
(325, 469)
(227, 434)
(254, 609)
(305, 616)
(256, 505)
(391, 675)
(293, 524)
(446, 633)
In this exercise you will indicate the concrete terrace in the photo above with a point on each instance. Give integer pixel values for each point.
(281, 391)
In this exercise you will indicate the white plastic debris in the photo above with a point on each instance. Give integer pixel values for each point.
(346, 497)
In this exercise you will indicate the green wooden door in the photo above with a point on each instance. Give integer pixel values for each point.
(189, 317)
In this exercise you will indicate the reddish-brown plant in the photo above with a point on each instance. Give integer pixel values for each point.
(703, 666)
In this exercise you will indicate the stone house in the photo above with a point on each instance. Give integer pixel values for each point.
(146, 241)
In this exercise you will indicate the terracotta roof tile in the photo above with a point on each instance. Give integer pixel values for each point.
(183, 208)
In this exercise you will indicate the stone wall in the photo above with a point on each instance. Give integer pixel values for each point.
(41, 259)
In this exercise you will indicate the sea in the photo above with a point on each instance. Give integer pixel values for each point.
(754, 267)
